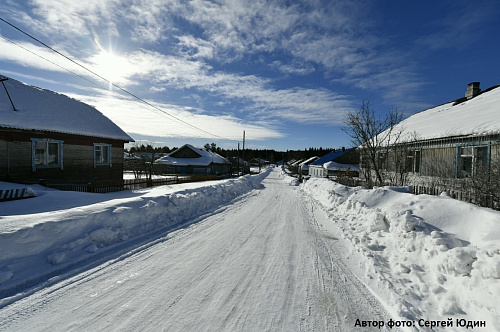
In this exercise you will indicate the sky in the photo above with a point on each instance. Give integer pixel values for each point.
(285, 73)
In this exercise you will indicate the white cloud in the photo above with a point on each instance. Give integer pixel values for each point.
(293, 68)
(194, 47)
(331, 36)
(68, 17)
(29, 55)
(143, 120)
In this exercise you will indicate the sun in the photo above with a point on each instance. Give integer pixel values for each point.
(114, 68)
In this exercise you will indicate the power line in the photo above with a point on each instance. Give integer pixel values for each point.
(161, 113)
(103, 78)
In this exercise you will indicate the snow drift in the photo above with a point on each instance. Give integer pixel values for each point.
(425, 256)
(38, 243)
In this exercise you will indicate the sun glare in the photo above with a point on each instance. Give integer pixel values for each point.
(110, 66)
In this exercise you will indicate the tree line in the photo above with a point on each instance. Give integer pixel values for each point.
(271, 155)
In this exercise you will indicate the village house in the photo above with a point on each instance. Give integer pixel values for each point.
(239, 166)
(304, 165)
(189, 159)
(342, 162)
(49, 136)
(454, 145)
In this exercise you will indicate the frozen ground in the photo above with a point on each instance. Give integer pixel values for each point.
(253, 254)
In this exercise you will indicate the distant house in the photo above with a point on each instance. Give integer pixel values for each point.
(189, 159)
(304, 165)
(293, 165)
(46, 135)
(458, 141)
(336, 163)
(239, 166)
(258, 162)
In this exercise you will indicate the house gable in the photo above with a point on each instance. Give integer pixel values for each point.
(185, 152)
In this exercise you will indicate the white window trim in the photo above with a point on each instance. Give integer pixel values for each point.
(33, 154)
(109, 163)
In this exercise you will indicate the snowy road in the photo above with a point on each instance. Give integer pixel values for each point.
(261, 263)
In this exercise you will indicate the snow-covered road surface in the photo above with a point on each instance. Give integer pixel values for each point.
(261, 263)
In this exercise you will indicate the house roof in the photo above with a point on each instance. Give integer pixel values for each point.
(334, 166)
(478, 116)
(308, 161)
(205, 158)
(329, 157)
(40, 109)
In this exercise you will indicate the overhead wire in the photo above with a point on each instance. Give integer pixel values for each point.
(80, 76)
(102, 78)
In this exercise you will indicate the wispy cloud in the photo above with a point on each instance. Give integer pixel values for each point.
(308, 37)
(459, 28)
(293, 68)
(143, 120)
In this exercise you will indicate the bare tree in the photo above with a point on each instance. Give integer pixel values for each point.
(143, 159)
(373, 135)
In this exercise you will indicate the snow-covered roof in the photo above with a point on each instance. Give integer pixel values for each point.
(205, 158)
(333, 166)
(40, 109)
(308, 161)
(329, 157)
(474, 117)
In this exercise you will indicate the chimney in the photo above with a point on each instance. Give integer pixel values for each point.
(472, 90)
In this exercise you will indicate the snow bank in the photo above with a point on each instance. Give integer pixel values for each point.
(40, 243)
(427, 257)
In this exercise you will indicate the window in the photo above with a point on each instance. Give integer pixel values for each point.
(382, 159)
(102, 154)
(413, 161)
(46, 153)
(471, 160)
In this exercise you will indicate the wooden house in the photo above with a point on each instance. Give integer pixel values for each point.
(189, 159)
(453, 144)
(49, 136)
(336, 163)
(304, 165)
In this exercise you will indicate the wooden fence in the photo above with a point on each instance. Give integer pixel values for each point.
(106, 186)
(470, 196)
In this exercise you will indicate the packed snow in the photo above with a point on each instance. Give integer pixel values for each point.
(426, 258)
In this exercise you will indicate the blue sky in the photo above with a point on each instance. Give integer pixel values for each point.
(285, 72)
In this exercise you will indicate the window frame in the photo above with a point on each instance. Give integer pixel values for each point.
(473, 155)
(413, 161)
(45, 164)
(97, 162)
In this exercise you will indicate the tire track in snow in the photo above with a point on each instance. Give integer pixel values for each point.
(260, 264)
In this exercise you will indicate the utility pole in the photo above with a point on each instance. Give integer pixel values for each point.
(243, 152)
(238, 159)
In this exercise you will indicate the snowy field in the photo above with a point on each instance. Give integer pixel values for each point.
(425, 258)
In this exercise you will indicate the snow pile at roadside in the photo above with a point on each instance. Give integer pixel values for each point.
(427, 257)
(37, 242)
